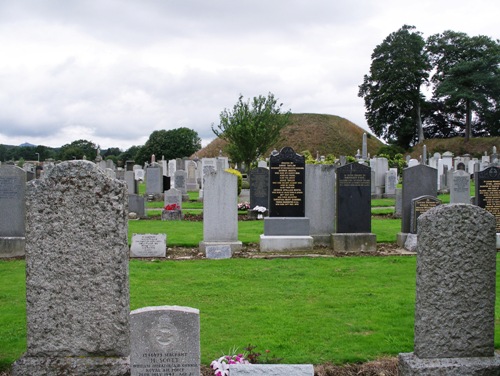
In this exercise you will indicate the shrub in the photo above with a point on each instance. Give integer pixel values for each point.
(238, 175)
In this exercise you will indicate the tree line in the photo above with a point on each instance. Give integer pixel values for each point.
(462, 77)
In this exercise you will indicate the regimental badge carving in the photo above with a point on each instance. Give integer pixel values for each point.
(164, 333)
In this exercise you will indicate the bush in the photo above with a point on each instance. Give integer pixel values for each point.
(238, 175)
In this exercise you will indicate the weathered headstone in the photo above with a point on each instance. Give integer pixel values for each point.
(154, 180)
(77, 291)
(320, 206)
(137, 204)
(460, 187)
(172, 209)
(148, 245)
(220, 210)
(165, 341)
(391, 181)
(180, 180)
(364, 148)
(130, 180)
(259, 187)
(488, 191)
(455, 294)
(12, 211)
(191, 183)
(419, 206)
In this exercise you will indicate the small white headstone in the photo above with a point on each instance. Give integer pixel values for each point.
(148, 245)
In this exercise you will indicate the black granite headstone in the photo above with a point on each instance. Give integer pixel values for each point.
(419, 180)
(259, 187)
(353, 199)
(166, 183)
(488, 191)
(419, 206)
(287, 184)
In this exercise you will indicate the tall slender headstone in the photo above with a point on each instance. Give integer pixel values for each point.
(455, 294)
(77, 290)
(154, 180)
(12, 211)
(259, 187)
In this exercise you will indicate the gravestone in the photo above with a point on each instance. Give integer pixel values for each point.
(353, 209)
(131, 184)
(259, 187)
(172, 167)
(391, 181)
(218, 252)
(166, 183)
(380, 166)
(180, 180)
(137, 204)
(455, 294)
(460, 187)
(172, 209)
(420, 180)
(419, 206)
(12, 211)
(220, 211)
(77, 291)
(154, 180)
(165, 341)
(191, 183)
(286, 227)
(398, 204)
(364, 148)
(148, 245)
(320, 206)
(488, 191)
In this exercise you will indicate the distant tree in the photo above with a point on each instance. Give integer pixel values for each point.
(77, 150)
(251, 128)
(174, 143)
(467, 79)
(391, 90)
(129, 154)
(45, 152)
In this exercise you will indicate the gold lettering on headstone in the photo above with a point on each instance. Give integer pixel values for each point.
(490, 192)
(286, 190)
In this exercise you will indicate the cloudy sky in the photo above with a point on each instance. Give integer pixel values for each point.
(113, 71)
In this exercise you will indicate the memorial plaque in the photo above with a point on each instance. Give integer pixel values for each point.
(165, 341)
(287, 177)
(419, 206)
(259, 187)
(488, 192)
(148, 245)
(353, 199)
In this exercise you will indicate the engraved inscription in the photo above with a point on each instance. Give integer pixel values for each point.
(9, 187)
(354, 180)
(489, 198)
(287, 189)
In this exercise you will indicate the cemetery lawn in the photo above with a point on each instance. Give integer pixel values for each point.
(304, 310)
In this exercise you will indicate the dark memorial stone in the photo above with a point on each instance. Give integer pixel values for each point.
(259, 187)
(488, 192)
(419, 206)
(353, 199)
(166, 183)
(287, 177)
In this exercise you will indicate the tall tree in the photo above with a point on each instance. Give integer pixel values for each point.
(391, 90)
(251, 128)
(173, 143)
(77, 150)
(467, 77)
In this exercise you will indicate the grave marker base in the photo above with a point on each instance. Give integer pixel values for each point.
(12, 247)
(235, 246)
(271, 369)
(285, 243)
(411, 365)
(359, 242)
(95, 366)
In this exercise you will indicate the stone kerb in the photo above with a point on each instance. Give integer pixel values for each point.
(77, 290)
(455, 294)
(271, 370)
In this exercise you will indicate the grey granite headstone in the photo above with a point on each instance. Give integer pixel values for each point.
(220, 210)
(391, 181)
(130, 180)
(460, 187)
(148, 245)
(172, 209)
(222, 251)
(320, 205)
(180, 177)
(455, 294)
(12, 211)
(137, 204)
(165, 341)
(271, 370)
(77, 291)
(398, 205)
(154, 180)
(259, 187)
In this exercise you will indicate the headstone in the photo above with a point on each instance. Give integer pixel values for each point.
(353, 199)
(488, 191)
(218, 252)
(130, 180)
(460, 187)
(413, 163)
(398, 205)
(364, 148)
(455, 294)
(262, 164)
(391, 181)
(137, 204)
(165, 341)
(320, 206)
(419, 206)
(271, 369)
(191, 184)
(180, 178)
(220, 210)
(77, 291)
(259, 187)
(287, 184)
(172, 167)
(139, 174)
(154, 180)
(380, 166)
(424, 155)
(148, 245)
(172, 205)
(12, 217)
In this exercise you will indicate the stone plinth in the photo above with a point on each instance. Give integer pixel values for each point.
(354, 242)
(286, 243)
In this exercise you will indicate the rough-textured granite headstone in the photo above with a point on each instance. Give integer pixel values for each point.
(488, 191)
(287, 184)
(460, 187)
(419, 206)
(259, 187)
(154, 180)
(165, 341)
(320, 206)
(12, 211)
(77, 291)
(353, 199)
(271, 369)
(220, 210)
(148, 245)
(455, 294)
